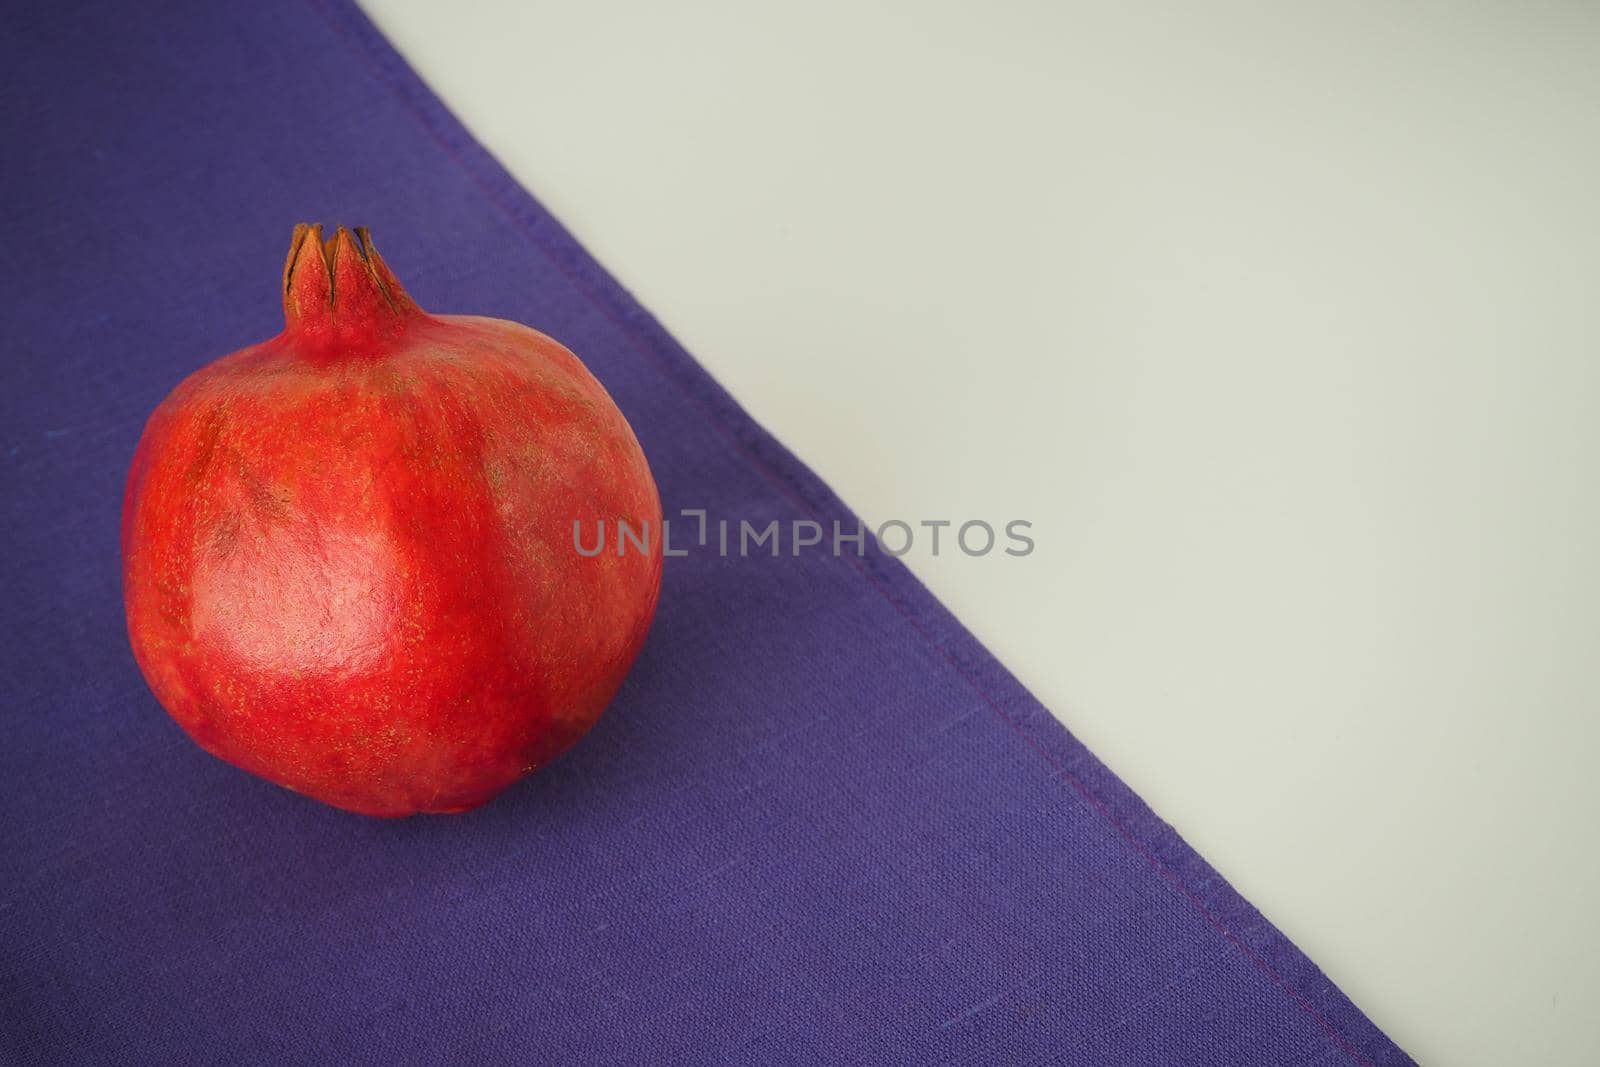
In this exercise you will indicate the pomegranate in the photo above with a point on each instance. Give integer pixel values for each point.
(349, 558)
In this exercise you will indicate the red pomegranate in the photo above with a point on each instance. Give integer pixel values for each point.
(349, 557)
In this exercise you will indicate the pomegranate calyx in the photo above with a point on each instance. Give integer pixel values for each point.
(339, 289)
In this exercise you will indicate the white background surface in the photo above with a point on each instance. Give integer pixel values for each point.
(1279, 324)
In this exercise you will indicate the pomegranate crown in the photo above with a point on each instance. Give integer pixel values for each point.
(340, 288)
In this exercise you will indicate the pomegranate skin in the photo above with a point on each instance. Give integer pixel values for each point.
(348, 552)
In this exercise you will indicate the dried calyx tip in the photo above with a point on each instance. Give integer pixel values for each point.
(341, 277)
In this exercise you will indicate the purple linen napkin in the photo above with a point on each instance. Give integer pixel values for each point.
(820, 823)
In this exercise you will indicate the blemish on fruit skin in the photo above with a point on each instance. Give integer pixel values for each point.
(345, 574)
